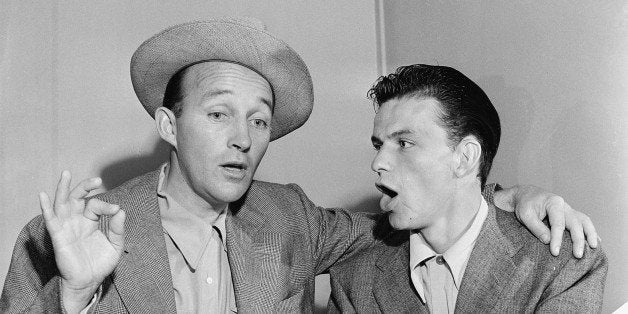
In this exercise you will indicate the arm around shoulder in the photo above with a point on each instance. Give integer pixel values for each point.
(335, 233)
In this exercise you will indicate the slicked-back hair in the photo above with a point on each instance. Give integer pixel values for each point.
(465, 108)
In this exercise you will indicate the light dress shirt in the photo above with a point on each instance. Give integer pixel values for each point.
(197, 253)
(436, 277)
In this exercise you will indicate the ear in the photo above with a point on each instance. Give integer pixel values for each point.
(166, 124)
(468, 153)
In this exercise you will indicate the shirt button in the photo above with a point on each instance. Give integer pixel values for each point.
(440, 260)
(209, 280)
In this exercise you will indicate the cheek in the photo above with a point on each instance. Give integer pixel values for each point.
(198, 152)
(258, 148)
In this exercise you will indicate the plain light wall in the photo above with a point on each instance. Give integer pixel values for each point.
(66, 100)
(557, 72)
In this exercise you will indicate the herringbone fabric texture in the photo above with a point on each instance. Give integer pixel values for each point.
(277, 242)
(509, 271)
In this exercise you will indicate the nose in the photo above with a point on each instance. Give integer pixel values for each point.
(381, 162)
(240, 139)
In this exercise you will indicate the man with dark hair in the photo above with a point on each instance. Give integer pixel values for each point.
(436, 134)
(199, 234)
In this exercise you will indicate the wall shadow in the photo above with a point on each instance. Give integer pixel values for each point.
(516, 110)
(122, 170)
(369, 204)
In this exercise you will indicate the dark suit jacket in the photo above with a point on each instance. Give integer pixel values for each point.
(509, 271)
(277, 241)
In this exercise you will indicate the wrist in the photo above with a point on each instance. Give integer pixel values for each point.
(74, 299)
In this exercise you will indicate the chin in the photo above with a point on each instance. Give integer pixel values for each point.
(230, 193)
(403, 223)
(396, 222)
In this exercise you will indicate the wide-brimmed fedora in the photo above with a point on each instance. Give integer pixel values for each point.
(240, 40)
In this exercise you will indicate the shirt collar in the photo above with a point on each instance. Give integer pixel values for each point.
(419, 251)
(456, 256)
(190, 234)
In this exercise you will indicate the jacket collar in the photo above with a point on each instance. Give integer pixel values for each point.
(490, 267)
(143, 272)
(392, 285)
(254, 253)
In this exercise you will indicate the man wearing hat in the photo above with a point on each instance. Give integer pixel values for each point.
(199, 234)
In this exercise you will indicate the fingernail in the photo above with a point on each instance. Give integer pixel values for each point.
(556, 251)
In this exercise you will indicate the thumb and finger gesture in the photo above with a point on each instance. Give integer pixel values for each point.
(84, 255)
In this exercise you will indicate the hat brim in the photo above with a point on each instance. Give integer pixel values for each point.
(161, 56)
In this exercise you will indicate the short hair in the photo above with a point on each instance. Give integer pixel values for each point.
(465, 108)
(175, 93)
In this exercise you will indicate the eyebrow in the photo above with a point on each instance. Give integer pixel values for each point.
(400, 133)
(217, 92)
(375, 139)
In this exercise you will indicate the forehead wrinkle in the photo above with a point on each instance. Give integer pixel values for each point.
(223, 75)
(267, 102)
(218, 92)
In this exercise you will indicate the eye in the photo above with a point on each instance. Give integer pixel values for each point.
(259, 123)
(404, 144)
(217, 116)
(377, 146)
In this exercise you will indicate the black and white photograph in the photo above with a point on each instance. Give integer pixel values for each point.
(314, 156)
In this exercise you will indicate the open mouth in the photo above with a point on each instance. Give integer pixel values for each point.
(236, 166)
(386, 190)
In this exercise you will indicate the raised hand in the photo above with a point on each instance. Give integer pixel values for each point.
(84, 255)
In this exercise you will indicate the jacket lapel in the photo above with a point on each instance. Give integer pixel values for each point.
(392, 286)
(143, 276)
(489, 270)
(255, 257)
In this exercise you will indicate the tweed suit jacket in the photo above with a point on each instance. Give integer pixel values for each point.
(509, 271)
(277, 241)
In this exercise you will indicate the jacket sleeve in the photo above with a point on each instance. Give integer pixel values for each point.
(32, 283)
(335, 234)
(578, 286)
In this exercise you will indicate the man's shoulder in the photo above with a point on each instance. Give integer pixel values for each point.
(531, 248)
(506, 250)
(388, 242)
(266, 186)
(144, 184)
(275, 192)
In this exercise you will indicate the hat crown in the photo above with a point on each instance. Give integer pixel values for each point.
(239, 40)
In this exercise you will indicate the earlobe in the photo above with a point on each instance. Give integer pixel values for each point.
(166, 124)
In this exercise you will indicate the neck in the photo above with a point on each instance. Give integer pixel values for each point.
(457, 217)
(178, 187)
